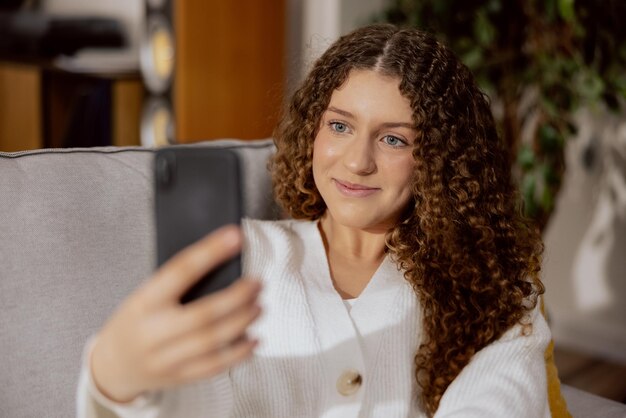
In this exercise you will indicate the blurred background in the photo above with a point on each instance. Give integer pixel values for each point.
(81, 73)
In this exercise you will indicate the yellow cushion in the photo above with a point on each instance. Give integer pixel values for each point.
(558, 407)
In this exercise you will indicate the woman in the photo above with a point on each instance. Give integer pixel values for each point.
(406, 285)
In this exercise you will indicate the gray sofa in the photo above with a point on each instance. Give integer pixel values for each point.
(76, 236)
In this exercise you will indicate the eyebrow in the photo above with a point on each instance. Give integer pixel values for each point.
(386, 124)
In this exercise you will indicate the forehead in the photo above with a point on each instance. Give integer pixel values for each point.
(367, 91)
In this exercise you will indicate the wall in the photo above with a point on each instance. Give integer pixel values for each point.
(585, 257)
(325, 20)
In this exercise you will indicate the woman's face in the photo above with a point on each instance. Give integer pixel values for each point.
(362, 154)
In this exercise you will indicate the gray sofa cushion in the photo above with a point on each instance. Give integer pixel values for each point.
(76, 236)
(586, 405)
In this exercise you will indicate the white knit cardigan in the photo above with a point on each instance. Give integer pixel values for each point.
(309, 338)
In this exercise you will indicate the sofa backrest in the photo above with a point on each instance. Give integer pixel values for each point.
(77, 236)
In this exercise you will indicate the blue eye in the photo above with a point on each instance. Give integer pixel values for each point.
(393, 141)
(339, 127)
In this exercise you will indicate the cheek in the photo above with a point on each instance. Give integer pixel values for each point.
(324, 153)
(401, 172)
(408, 176)
(404, 173)
(318, 160)
(404, 193)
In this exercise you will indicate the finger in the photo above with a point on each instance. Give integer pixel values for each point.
(181, 320)
(183, 270)
(213, 307)
(209, 340)
(217, 362)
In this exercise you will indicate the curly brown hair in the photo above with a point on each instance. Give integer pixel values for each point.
(471, 257)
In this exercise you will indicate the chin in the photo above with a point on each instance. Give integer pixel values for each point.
(360, 221)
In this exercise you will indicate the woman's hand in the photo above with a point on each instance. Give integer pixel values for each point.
(153, 342)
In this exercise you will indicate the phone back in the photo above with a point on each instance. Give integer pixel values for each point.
(197, 190)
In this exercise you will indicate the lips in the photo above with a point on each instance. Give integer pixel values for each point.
(354, 190)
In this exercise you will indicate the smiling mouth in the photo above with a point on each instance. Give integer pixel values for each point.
(354, 190)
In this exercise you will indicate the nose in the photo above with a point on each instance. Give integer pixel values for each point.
(359, 156)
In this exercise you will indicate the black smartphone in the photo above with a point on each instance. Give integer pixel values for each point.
(197, 190)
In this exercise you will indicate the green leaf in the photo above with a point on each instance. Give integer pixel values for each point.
(620, 84)
(526, 157)
(485, 83)
(550, 139)
(566, 10)
(549, 175)
(547, 200)
(484, 31)
(441, 7)
(473, 58)
(528, 193)
(550, 107)
(550, 9)
(590, 85)
(494, 6)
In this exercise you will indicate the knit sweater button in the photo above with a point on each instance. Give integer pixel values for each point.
(349, 382)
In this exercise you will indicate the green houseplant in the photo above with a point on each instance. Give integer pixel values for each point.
(539, 60)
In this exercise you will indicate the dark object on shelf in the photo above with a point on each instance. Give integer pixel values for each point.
(34, 35)
(10, 5)
(77, 110)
